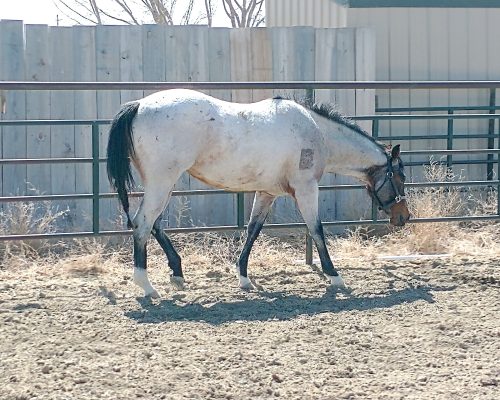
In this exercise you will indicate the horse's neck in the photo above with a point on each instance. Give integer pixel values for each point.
(349, 152)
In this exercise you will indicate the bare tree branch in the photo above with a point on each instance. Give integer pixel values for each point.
(187, 14)
(70, 9)
(115, 18)
(231, 13)
(123, 4)
(210, 12)
(244, 13)
(95, 10)
(257, 19)
(168, 12)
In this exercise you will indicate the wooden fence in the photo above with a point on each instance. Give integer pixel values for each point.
(161, 53)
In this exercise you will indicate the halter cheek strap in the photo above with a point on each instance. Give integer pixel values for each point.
(389, 177)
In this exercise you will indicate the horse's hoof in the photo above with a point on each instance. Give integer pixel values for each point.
(178, 282)
(337, 282)
(246, 283)
(153, 295)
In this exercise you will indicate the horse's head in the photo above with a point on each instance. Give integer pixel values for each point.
(386, 187)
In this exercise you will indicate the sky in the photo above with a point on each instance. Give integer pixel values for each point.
(45, 12)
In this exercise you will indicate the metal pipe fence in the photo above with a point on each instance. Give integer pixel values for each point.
(388, 115)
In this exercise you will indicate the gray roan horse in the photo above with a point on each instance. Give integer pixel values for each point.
(274, 147)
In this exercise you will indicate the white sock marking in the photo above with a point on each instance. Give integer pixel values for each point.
(337, 281)
(245, 282)
(141, 279)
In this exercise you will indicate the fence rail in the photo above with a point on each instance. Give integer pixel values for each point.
(96, 160)
(30, 85)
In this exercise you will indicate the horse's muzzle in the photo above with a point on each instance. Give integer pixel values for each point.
(400, 214)
(400, 220)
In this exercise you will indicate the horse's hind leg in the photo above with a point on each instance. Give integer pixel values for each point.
(261, 205)
(153, 203)
(306, 196)
(174, 260)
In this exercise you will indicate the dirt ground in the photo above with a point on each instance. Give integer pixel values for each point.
(410, 330)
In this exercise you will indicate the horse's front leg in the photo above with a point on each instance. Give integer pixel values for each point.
(306, 196)
(261, 205)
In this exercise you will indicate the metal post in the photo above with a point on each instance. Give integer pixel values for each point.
(309, 248)
(310, 96)
(95, 178)
(491, 138)
(240, 210)
(375, 136)
(309, 242)
(449, 142)
(498, 172)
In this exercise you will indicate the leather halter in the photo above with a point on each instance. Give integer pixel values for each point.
(389, 177)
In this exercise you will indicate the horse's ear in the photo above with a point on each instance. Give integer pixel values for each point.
(395, 152)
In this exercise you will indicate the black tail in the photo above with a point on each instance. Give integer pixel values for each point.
(120, 149)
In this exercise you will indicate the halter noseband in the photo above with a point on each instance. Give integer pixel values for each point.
(389, 177)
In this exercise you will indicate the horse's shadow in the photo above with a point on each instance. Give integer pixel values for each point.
(275, 306)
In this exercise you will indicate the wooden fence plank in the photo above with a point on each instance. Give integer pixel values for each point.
(131, 61)
(84, 69)
(240, 61)
(38, 59)
(153, 54)
(261, 66)
(62, 138)
(219, 60)
(13, 138)
(108, 102)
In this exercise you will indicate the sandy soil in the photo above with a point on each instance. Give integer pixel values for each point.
(412, 330)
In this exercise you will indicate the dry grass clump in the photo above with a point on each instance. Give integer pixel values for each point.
(433, 202)
(27, 218)
(92, 257)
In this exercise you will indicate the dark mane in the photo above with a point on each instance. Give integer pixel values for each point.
(329, 111)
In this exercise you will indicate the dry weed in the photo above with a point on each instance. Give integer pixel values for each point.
(27, 218)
